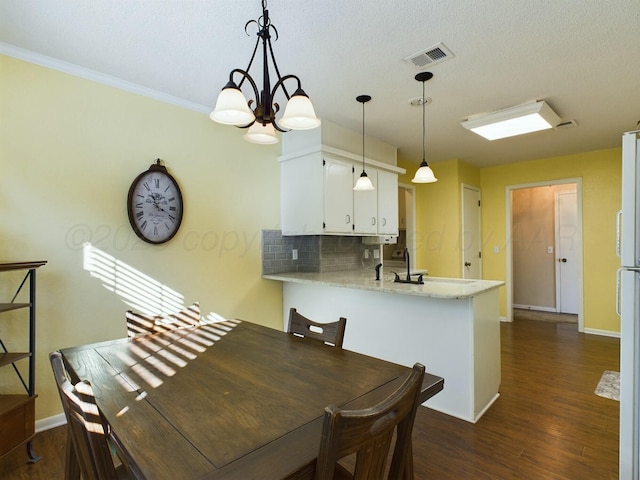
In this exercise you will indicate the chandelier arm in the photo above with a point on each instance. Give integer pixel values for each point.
(280, 83)
(245, 75)
(275, 66)
(255, 49)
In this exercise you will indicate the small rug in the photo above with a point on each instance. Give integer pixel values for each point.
(609, 385)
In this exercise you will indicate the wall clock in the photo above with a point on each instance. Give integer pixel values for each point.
(154, 205)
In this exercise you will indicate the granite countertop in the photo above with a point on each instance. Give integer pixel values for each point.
(436, 287)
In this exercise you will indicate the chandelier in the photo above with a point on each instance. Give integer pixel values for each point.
(259, 113)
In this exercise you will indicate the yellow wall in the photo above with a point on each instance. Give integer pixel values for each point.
(69, 150)
(438, 215)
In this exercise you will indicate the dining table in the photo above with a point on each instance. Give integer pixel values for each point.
(227, 400)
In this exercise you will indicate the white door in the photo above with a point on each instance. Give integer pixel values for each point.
(567, 258)
(471, 240)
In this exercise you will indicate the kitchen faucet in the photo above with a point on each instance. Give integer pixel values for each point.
(397, 279)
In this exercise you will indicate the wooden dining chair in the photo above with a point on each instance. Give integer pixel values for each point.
(329, 333)
(142, 324)
(88, 452)
(369, 433)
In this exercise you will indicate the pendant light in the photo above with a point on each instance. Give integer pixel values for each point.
(364, 182)
(232, 107)
(424, 173)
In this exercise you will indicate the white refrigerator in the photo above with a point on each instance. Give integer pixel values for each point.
(628, 246)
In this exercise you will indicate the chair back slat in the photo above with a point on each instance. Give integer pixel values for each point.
(87, 428)
(369, 434)
(330, 333)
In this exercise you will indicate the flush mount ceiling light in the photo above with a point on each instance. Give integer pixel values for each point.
(232, 107)
(424, 173)
(364, 182)
(508, 122)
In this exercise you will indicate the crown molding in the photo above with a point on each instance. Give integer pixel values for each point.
(82, 72)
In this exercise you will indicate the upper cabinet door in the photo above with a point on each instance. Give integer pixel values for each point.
(338, 197)
(387, 190)
(365, 205)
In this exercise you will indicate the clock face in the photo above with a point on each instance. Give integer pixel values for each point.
(155, 205)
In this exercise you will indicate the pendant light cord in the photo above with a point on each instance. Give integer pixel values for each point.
(424, 101)
(363, 136)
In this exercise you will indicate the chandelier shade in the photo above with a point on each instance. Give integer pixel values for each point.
(261, 134)
(232, 107)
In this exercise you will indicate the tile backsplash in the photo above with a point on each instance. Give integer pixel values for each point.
(316, 253)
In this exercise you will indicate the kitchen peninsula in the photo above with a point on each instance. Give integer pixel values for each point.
(452, 326)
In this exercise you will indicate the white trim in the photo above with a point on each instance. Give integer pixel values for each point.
(50, 422)
(82, 72)
(535, 307)
(604, 333)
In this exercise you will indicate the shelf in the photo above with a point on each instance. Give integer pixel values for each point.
(9, 358)
(5, 307)
(11, 402)
(6, 266)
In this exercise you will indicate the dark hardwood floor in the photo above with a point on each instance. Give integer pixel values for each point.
(547, 423)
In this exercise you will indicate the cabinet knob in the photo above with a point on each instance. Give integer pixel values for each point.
(373, 220)
(384, 222)
(347, 219)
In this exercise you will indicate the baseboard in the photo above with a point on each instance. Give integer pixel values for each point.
(50, 422)
(536, 307)
(503, 319)
(604, 333)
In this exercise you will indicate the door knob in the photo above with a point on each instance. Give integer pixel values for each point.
(563, 260)
(467, 264)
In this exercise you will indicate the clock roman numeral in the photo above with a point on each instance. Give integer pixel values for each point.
(172, 218)
(171, 199)
(144, 225)
(173, 209)
(168, 187)
(155, 230)
(139, 205)
(157, 182)
(139, 214)
(146, 185)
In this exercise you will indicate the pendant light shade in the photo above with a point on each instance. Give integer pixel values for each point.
(424, 173)
(364, 182)
(232, 107)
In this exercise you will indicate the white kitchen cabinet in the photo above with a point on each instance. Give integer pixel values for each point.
(317, 195)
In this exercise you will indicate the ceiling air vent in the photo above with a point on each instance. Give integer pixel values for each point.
(431, 56)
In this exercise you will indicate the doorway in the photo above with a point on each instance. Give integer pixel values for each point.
(544, 248)
(393, 255)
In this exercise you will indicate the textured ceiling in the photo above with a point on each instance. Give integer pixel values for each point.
(581, 56)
